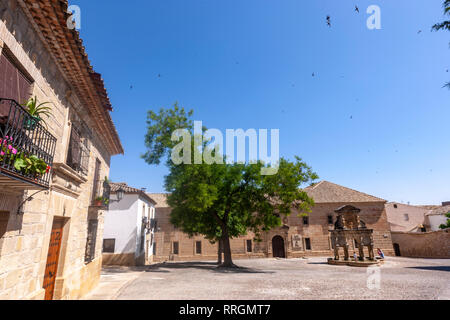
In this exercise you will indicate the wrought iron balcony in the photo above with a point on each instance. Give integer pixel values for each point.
(26, 149)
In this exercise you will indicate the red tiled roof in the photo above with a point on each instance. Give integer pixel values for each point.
(327, 192)
(130, 190)
(49, 18)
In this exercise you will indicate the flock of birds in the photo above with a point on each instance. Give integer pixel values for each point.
(329, 18)
(328, 22)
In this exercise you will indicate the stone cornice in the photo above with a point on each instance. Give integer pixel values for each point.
(66, 180)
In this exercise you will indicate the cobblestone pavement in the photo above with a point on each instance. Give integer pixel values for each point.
(293, 279)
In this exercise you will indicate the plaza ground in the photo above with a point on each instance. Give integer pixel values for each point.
(279, 279)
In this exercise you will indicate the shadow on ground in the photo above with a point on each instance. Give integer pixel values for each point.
(432, 268)
(208, 266)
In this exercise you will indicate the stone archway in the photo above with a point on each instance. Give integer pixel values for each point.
(278, 250)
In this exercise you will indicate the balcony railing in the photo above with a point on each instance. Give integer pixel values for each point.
(26, 148)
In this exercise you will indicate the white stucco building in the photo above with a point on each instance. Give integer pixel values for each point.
(128, 236)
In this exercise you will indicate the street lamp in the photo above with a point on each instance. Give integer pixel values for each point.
(119, 194)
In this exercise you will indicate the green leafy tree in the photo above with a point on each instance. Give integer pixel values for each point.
(224, 201)
(447, 225)
(445, 25)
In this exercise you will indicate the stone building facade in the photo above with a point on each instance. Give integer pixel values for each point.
(298, 237)
(50, 244)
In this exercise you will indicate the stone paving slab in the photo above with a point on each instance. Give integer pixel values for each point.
(279, 279)
(112, 281)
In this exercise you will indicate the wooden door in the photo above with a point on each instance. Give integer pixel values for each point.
(278, 247)
(397, 250)
(51, 267)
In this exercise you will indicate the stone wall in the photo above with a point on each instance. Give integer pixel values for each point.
(294, 234)
(24, 246)
(423, 245)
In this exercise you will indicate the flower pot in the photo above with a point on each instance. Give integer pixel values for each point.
(31, 123)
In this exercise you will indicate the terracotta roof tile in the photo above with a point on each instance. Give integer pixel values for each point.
(115, 186)
(327, 192)
(49, 19)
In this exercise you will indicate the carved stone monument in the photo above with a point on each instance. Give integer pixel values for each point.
(350, 229)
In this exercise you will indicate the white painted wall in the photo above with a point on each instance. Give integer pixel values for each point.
(120, 223)
(123, 222)
(436, 220)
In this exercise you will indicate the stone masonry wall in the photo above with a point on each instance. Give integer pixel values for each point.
(424, 244)
(294, 236)
(24, 246)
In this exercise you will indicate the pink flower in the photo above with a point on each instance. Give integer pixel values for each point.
(14, 151)
(10, 147)
(2, 153)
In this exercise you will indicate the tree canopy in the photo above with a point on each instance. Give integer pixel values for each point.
(445, 25)
(224, 201)
(447, 225)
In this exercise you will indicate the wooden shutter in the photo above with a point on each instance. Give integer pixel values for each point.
(13, 83)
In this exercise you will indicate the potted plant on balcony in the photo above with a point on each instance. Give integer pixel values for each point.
(36, 111)
(101, 201)
(31, 166)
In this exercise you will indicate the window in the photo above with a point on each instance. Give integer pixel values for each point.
(176, 248)
(154, 248)
(249, 246)
(91, 240)
(423, 229)
(395, 206)
(330, 219)
(109, 245)
(96, 192)
(78, 154)
(307, 243)
(15, 83)
(406, 217)
(198, 247)
(306, 221)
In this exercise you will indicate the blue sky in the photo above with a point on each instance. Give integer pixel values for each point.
(374, 117)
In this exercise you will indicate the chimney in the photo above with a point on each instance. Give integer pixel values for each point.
(446, 203)
(144, 190)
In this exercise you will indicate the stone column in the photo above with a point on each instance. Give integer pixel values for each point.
(346, 256)
(361, 251)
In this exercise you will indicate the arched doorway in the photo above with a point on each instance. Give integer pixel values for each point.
(278, 247)
(397, 250)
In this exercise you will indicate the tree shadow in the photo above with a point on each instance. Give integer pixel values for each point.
(432, 268)
(200, 265)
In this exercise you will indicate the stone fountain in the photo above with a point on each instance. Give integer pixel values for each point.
(350, 229)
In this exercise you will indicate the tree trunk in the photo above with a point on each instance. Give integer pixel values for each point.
(219, 253)
(228, 261)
